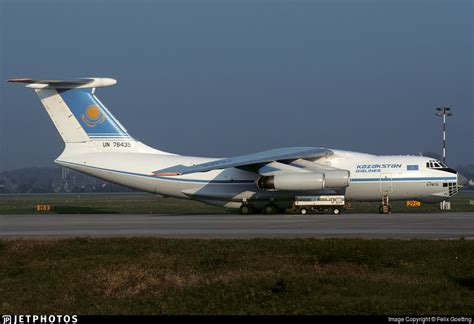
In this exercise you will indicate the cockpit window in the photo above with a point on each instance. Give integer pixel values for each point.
(434, 164)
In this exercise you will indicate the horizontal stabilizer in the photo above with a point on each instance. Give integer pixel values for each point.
(65, 84)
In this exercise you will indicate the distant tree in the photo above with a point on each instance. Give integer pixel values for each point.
(43, 179)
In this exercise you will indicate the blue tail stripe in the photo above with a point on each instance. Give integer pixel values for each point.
(91, 113)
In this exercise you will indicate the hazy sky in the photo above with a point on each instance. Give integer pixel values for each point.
(222, 78)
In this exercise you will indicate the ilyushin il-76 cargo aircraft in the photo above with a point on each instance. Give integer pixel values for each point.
(97, 144)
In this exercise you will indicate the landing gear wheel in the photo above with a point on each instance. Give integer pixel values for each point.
(270, 209)
(246, 209)
(336, 211)
(303, 211)
(381, 209)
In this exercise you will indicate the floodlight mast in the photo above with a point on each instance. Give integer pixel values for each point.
(444, 112)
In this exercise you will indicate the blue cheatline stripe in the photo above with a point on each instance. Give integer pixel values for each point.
(111, 139)
(401, 179)
(161, 178)
(107, 134)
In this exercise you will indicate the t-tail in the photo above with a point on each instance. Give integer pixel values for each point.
(81, 119)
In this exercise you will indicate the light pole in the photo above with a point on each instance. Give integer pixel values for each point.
(444, 112)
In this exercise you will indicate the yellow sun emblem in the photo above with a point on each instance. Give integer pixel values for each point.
(93, 116)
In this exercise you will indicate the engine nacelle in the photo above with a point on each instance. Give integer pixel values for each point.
(306, 181)
(336, 178)
(292, 181)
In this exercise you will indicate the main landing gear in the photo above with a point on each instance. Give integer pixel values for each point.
(246, 209)
(270, 209)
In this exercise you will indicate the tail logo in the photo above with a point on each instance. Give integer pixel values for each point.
(94, 116)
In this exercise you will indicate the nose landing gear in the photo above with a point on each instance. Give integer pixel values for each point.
(385, 208)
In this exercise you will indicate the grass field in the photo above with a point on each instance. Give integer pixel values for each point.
(142, 203)
(260, 276)
(120, 203)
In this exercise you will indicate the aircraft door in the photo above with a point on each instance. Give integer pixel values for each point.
(386, 185)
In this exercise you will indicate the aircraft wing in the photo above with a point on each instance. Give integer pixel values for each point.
(250, 161)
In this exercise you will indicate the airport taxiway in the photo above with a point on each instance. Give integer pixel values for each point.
(404, 226)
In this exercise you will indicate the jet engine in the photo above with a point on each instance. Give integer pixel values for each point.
(304, 181)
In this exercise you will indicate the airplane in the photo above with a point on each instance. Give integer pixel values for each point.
(97, 144)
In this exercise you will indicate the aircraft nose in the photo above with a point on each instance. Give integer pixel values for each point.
(462, 180)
